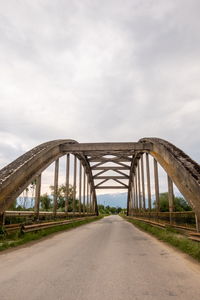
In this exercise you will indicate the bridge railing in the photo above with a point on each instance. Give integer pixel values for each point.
(144, 197)
(186, 218)
(78, 193)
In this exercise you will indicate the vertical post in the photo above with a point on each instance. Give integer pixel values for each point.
(156, 185)
(148, 182)
(136, 190)
(84, 182)
(37, 196)
(130, 201)
(67, 183)
(87, 205)
(139, 190)
(2, 218)
(133, 197)
(92, 201)
(170, 198)
(90, 198)
(55, 194)
(128, 205)
(143, 187)
(80, 186)
(197, 219)
(74, 185)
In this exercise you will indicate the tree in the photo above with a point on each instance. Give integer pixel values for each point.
(180, 204)
(61, 197)
(45, 201)
(108, 209)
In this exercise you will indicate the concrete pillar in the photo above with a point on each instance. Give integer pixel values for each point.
(136, 190)
(139, 187)
(37, 196)
(80, 186)
(74, 185)
(134, 195)
(156, 185)
(2, 219)
(130, 201)
(90, 199)
(84, 183)
(132, 198)
(67, 183)
(87, 205)
(93, 202)
(143, 187)
(197, 219)
(170, 197)
(148, 182)
(55, 195)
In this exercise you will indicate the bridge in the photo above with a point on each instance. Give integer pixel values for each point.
(110, 258)
(105, 166)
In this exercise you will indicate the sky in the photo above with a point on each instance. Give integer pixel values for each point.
(94, 71)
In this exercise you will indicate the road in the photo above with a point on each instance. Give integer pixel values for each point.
(108, 259)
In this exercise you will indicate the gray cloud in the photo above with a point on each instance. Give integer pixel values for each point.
(99, 71)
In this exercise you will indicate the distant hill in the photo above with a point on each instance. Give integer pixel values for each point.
(120, 199)
(116, 200)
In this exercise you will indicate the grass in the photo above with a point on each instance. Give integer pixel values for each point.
(18, 238)
(170, 236)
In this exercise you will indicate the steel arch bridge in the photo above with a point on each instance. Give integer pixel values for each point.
(128, 163)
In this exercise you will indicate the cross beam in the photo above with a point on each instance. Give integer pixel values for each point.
(110, 177)
(110, 147)
(111, 187)
(115, 159)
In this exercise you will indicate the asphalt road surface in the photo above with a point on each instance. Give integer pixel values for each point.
(108, 259)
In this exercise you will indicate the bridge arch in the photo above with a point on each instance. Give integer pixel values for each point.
(16, 176)
(181, 169)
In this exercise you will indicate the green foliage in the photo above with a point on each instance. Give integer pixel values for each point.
(61, 197)
(108, 210)
(180, 204)
(20, 239)
(46, 202)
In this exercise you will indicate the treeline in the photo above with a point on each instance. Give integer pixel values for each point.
(109, 210)
(180, 204)
(46, 200)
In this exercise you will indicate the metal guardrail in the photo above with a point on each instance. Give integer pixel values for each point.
(24, 213)
(42, 225)
(39, 226)
(183, 218)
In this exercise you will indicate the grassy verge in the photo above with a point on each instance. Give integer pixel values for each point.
(170, 236)
(17, 238)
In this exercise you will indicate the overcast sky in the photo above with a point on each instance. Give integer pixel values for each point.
(106, 70)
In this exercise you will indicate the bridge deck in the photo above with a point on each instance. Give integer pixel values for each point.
(108, 259)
